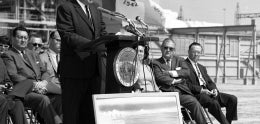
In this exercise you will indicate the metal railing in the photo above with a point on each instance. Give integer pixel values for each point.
(32, 17)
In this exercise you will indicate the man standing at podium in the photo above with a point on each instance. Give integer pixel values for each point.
(79, 23)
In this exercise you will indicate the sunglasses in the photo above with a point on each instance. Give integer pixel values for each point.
(59, 40)
(37, 45)
(169, 48)
(5, 46)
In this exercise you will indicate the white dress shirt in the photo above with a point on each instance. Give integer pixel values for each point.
(82, 5)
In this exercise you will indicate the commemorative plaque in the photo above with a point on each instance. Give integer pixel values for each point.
(125, 68)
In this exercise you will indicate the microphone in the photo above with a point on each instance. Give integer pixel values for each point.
(130, 29)
(139, 19)
(106, 11)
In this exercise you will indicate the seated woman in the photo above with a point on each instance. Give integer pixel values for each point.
(146, 81)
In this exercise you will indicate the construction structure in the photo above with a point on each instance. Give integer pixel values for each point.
(239, 15)
(37, 15)
(180, 14)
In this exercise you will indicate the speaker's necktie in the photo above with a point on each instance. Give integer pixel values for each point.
(88, 13)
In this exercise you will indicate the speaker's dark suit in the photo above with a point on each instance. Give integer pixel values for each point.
(10, 103)
(79, 64)
(23, 71)
(213, 104)
(164, 80)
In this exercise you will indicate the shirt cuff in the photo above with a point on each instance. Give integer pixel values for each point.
(174, 73)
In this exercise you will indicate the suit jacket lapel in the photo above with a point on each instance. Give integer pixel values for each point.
(83, 15)
(52, 61)
(22, 57)
(191, 67)
(194, 72)
(31, 61)
(164, 65)
(26, 62)
(202, 72)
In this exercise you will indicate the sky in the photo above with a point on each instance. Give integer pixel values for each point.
(213, 11)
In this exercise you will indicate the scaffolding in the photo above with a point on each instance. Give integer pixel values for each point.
(31, 13)
(239, 15)
(37, 15)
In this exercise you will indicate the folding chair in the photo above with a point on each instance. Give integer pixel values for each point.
(31, 116)
(186, 117)
(9, 120)
(209, 121)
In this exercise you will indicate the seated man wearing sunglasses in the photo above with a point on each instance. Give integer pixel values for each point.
(4, 44)
(35, 43)
(170, 77)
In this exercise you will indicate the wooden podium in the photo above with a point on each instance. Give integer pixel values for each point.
(113, 45)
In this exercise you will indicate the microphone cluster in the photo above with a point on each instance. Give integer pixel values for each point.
(139, 19)
(131, 27)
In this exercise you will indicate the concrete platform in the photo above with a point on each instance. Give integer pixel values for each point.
(248, 100)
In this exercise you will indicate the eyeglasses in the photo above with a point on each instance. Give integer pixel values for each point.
(37, 45)
(59, 40)
(22, 37)
(170, 48)
(5, 46)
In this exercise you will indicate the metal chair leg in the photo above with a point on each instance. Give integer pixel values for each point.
(186, 112)
(209, 121)
(9, 120)
(31, 116)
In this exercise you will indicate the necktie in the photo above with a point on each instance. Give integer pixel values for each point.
(25, 57)
(57, 58)
(88, 13)
(202, 81)
(168, 62)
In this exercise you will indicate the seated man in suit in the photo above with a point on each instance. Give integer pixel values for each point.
(10, 103)
(206, 91)
(50, 59)
(170, 77)
(35, 43)
(25, 71)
